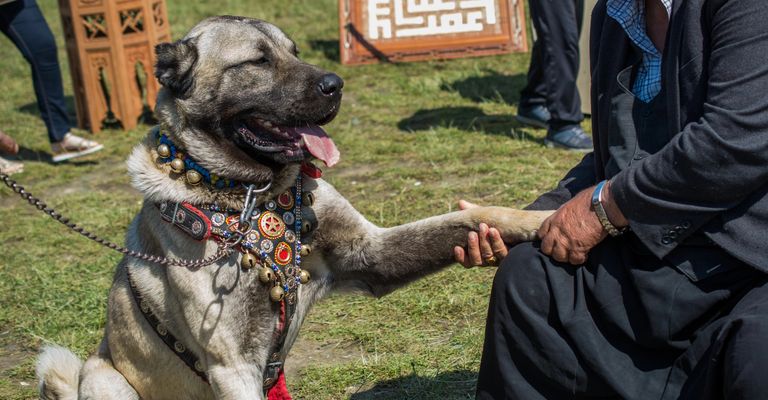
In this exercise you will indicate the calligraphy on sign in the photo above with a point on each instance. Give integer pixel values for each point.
(410, 30)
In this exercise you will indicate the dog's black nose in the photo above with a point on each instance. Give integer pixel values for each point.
(330, 84)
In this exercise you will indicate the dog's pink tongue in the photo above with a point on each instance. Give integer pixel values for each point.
(319, 144)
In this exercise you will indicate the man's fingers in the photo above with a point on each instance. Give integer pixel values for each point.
(577, 258)
(547, 244)
(486, 251)
(463, 205)
(560, 252)
(460, 256)
(497, 244)
(545, 227)
(473, 249)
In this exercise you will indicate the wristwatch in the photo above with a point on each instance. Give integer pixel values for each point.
(597, 207)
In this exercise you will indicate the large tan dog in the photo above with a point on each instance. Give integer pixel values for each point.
(243, 110)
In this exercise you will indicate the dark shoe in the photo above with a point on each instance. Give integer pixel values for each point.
(570, 138)
(537, 116)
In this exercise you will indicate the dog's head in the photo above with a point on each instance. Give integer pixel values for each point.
(237, 84)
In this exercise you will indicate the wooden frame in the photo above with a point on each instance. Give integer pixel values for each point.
(412, 30)
(110, 46)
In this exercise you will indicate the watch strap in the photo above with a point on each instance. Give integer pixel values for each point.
(602, 216)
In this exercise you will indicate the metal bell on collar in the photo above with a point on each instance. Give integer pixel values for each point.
(277, 293)
(177, 165)
(249, 261)
(266, 275)
(163, 150)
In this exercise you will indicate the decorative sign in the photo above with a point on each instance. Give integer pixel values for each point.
(411, 30)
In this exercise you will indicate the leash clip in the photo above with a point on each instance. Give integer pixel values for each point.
(250, 202)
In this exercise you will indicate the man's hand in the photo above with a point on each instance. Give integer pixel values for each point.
(481, 245)
(572, 231)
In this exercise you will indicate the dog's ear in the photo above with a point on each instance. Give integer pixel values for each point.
(174, 66)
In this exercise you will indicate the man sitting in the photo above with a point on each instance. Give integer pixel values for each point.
(652, 284)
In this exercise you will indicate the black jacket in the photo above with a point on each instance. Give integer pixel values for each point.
(711, 176)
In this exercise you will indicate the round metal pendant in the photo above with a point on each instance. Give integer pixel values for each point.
(283, 253)
(271, 225)
(266, 245)
(252, 236)
(288, 218)
(285, 200)
(218, 219)
(290, 236)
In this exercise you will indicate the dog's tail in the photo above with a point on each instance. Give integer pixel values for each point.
(58, 371)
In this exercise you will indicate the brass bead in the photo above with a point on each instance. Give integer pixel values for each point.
(306, 226)
(249, 261)
(276, 293)
(304, 276)
(307, 199)
(305, 250)
(266, 275)
(163, 150)
(194, 177)
(177, 165)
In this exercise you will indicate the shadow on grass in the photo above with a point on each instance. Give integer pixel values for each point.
(27, 154)
(492, 86)
(451, 385)
(329, 48)
(465, 118)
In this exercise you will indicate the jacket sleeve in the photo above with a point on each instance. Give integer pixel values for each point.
(579, 178)
(716, 162)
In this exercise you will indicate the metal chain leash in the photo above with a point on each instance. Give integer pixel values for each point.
(224, 249)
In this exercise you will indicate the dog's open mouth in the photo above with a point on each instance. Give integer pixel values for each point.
(289, 142)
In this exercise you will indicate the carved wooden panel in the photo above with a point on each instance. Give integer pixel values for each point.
(110, 45)
(410, 30)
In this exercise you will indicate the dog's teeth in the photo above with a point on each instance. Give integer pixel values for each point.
(276, 130)
(267, 124)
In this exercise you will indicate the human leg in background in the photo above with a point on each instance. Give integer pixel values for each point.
(25, 25)
(552, 73)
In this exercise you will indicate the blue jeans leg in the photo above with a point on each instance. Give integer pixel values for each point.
(25, 25)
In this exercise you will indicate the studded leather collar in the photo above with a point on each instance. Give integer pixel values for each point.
(270, 241)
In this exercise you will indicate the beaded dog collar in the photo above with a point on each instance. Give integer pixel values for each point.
(181, 163)
(269, 236)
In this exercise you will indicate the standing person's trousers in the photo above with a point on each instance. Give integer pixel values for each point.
(555, 61)
(24, 24)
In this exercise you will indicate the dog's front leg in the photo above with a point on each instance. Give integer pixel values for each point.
(383, 259)
(236, 382)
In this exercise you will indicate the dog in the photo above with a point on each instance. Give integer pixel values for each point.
(227, 171)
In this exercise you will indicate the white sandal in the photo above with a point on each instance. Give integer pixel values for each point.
(9, 167)
(73, 146)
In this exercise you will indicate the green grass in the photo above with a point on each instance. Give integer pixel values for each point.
(414, 139)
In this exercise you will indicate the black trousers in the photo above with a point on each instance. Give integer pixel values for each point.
(25, 25)
(626, 325)
(555, 60)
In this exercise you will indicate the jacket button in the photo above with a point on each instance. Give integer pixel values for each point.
(673, 235)
(686, 224)
(665, 240)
